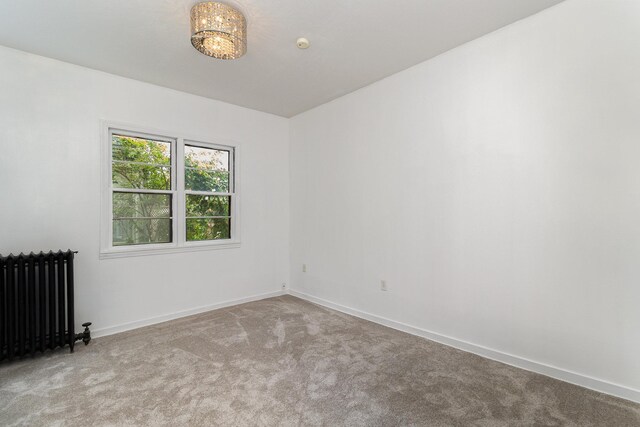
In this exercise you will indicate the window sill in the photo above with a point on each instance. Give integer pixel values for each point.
(126, 252)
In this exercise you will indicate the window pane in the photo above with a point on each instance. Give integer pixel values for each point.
(208, 228)
(146, 231)
(133, 175)
(208, 205)
(141, 163)
(141, 218)
(203, 180)
(141, 150)
(206, 158)
(141, 205)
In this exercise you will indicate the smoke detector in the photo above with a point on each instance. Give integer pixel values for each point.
(302, 43)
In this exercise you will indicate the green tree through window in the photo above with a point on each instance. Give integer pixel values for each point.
(142, 192)
(207, 173)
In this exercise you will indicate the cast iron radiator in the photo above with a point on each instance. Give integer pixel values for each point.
(36, 304)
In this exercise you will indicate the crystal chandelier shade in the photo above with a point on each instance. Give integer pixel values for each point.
(218, 30)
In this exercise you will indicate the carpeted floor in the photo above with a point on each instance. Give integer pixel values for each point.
(284, 361)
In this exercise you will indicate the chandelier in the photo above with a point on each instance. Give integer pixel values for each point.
(218, 30)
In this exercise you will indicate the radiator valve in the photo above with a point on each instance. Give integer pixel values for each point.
(85, 336)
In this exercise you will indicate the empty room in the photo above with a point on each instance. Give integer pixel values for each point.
(320, 213)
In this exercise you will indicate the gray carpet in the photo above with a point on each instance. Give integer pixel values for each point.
(284, 361)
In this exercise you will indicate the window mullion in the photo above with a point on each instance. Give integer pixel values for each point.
(180, 212)
(206, 193)
(129, 162)
(140, 191)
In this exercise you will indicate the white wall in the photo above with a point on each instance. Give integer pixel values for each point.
(496, 188)
(50, 133)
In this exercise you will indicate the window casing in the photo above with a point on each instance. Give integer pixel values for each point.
(166, 193)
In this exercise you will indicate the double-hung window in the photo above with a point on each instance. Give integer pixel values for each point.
(167, 194)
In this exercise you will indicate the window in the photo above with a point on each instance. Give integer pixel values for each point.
(208, 183)
(142, 195)
(167, 194)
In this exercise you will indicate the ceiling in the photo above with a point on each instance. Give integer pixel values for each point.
(353, 42)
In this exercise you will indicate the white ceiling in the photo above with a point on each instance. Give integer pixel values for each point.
(353, 42)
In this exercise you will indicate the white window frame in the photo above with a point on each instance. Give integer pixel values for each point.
(178, 209)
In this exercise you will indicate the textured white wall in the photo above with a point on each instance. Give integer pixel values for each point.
(50, 133)
(496, 188)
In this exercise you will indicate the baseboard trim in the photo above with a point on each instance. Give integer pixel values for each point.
(178, 314)
(509, 359)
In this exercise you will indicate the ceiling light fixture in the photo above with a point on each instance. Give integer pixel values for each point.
(218, 30)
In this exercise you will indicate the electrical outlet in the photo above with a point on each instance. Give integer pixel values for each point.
(284, 286)
(304, 268)
(383, 285)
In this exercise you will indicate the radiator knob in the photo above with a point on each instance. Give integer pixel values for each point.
(86, 335)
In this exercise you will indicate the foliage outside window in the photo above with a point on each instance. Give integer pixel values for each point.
(207, 185)
(167, 191)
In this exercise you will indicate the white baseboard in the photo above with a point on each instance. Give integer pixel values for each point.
(178, 314)
(509, 359)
